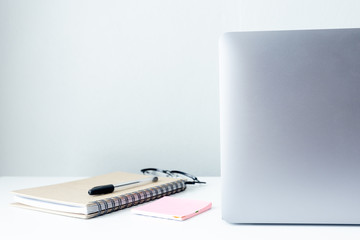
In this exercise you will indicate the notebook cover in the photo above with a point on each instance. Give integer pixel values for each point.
(173, 208)
(76, 192)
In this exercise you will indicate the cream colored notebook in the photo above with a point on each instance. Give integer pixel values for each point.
(72, 198)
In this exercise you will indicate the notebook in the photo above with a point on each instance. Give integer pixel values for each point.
(72, 198)
(173, 208)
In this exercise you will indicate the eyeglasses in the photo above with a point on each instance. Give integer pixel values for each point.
(189, 178)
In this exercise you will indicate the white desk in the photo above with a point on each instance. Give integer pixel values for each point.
(20, 223)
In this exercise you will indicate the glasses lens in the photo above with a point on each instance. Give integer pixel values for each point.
(182, 175)
(188, 178)
(156, 172)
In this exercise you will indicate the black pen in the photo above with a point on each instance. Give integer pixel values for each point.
(103, 189)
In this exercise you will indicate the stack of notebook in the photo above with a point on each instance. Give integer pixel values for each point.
(72, 198)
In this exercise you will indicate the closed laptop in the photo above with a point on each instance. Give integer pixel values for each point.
(290, 126)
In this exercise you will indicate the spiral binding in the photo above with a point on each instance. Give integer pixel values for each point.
(108, 205)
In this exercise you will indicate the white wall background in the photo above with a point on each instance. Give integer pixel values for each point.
(89, 87)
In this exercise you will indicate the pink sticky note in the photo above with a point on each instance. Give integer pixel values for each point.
(173, 208)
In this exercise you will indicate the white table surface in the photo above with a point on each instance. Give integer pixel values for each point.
(16, 223)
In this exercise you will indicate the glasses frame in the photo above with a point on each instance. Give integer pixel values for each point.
(171, 173)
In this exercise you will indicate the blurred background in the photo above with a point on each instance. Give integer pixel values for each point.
(90, 87)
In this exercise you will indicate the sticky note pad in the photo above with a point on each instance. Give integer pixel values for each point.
(173, 208)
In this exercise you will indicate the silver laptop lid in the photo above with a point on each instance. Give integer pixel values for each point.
(290, 126)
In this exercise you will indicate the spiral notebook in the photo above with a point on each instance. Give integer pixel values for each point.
(72, 198)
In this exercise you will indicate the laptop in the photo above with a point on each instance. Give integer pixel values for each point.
(290, 126)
